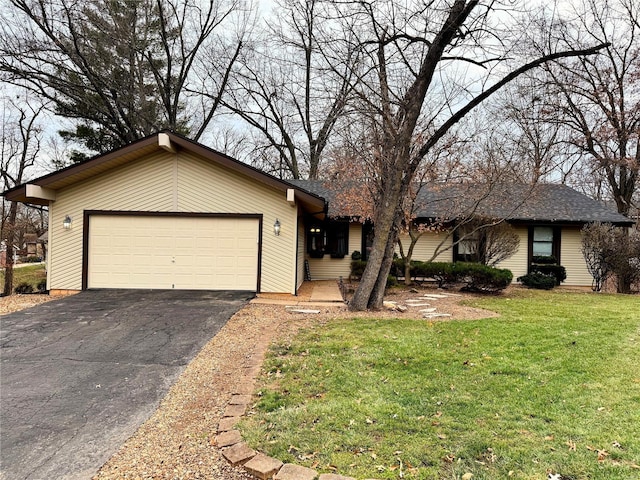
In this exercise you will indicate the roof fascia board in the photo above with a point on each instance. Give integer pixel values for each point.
(36, 191)
(164, 141)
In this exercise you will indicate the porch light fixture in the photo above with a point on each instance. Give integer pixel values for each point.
(66, 223)
(276, 228)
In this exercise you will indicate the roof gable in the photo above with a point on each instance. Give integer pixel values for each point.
(42, 190)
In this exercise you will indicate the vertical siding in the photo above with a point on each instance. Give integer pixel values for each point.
(571, 258)
(427, 245)
(327, 268)
(177, 183)
(518, 263)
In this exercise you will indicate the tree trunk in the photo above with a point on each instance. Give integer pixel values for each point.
(370, 291)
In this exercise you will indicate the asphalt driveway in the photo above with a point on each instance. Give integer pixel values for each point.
(80, 374)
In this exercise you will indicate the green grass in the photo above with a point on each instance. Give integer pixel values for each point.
(32, 274)
(551, 385)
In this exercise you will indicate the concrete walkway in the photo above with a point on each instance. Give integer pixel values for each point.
(315, 293)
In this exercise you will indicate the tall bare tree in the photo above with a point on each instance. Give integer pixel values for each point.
(122, 69)
(410, 54)
(599, 96)
(289, 94)
(19, 148)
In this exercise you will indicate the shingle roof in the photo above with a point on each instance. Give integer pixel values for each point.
(516, 202)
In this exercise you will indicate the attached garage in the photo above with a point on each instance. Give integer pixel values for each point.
(169, 213)
(172, 252)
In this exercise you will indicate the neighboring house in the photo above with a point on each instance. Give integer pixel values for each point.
(168, 213)
(547, 218)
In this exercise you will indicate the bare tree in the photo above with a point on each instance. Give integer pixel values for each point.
(122, 70)
(610, 250)
(20, 146)
(409, 55)
(598, 95)
(288, 93)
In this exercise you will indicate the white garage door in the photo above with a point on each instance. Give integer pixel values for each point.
(200, 253)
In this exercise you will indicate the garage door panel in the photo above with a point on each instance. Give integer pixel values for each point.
(172, 252)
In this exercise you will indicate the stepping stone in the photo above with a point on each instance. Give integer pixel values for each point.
(427, 310)
(304, 310)
(239, 454)
(289, 471)
(435, 315)
(418, 304)
(262, 466)
(226, 439)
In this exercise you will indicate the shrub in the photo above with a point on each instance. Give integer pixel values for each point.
(33, 259)
(42, 286)
(558, 272)
(24, 287)
(356, 255)
(544, 260)
(392, 281)
(482, 278)
(357, 268)
(540, 281)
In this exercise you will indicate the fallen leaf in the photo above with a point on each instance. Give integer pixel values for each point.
(467, 476)
(572, 445)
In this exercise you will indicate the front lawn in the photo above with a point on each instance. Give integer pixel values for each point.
(553, 385)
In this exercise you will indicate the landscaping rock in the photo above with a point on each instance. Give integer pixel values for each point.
(227, 424)
(226, 439)
(234, 410)
(239, 454)
(289, 471)
(263, 467)
(238, 399)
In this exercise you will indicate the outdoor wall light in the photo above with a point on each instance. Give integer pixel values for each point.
(66, 223)
(276, 228)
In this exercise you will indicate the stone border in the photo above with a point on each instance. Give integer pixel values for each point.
(237, 452)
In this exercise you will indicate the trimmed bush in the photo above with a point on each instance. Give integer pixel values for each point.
(23, 287)
(475, 276)
(558, 272)
(540, 281)
(482, 278)
(544, 260)
(42, 286)
(356, 255)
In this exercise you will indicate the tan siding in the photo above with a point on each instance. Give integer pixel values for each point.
(327, 268)
(519, 261)
(150, 185)
(427, 245)
(300, 253)
(571, 258)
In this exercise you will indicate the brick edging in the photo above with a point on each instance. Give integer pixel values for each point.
(237, 452)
